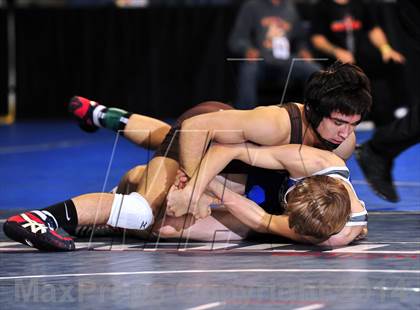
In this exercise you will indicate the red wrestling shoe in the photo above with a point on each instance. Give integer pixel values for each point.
(37, 230)
(82, 109)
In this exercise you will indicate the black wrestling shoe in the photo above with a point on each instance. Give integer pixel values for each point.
(377, 171)
(82, 109)
(36, 230)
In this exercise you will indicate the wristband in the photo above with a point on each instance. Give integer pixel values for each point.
(385, 48)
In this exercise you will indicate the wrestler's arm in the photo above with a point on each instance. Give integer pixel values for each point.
(252, 215)
(345, 236)
(265, 126)
(219, 156)
(346, 149)
(298, 160)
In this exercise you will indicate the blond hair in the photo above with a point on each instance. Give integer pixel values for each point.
(318, 207)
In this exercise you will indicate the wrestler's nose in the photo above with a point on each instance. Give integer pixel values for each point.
(345, 131)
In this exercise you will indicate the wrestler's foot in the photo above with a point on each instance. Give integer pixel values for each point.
(37, 230)
(83, 110)
(173, 227)
(377, 171)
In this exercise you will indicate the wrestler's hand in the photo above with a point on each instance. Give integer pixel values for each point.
(181, 179)
(179, 203)
(344, 55)
(172, 227)
(363, 234)
(202, 209)
(176, 196)
(389, 54)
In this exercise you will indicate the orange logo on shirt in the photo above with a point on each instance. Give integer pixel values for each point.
(348, 23)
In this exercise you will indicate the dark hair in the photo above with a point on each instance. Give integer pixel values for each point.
(342, 87)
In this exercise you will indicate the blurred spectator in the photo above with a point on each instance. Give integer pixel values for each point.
(132, 3)
(376, 156)
(268, 30)
(348, 31)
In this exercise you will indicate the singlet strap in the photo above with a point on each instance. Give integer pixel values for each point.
(295, 122)
(342, 171)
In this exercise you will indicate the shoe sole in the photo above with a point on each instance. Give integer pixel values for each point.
(21, 235)
(379, 194)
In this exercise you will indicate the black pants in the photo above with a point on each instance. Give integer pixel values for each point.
(390, 88)
(398, 136)
(390, 140)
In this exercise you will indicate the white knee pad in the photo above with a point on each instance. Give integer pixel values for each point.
(130, 211)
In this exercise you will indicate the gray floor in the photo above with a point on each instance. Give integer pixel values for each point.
(379, 273)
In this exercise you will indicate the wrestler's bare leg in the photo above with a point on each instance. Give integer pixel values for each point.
(220, 226)
(93, 208)
(88, 205)
(140, 129)
(146, 131)
(156, 181)
(131, 179)
(152, 182)
(160, 173)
